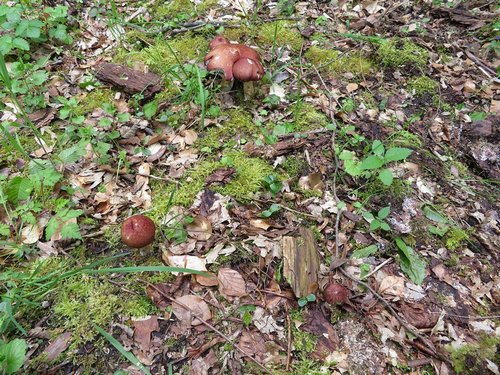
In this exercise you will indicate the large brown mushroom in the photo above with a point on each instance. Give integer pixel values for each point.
(237, 61)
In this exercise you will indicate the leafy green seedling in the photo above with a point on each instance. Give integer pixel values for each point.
(305, 300)
(273, 184)
(411, 264)
(271, 211)
(246, 314)
(378, 221)
(364, 252)
(441, 227)
(12, 355)
(374, 162)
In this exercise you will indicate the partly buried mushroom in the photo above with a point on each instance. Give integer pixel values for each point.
(237, 61)
(138, 231)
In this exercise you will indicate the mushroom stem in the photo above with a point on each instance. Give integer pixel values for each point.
(226, 86)
(248, 90)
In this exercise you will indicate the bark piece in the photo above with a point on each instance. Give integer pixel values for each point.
(301, 262)
(129, 80)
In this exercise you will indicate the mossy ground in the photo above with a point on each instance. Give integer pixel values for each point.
(332, 62)
(279, 33)
(306, 117)
(247, 181)
(422, 85)
(163, 55)
(471, 357)
(93, 100)
(238, 123)
(399, 53)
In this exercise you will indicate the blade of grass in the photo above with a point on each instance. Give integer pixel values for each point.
(130, 357)
(201, 95)
(147, 269)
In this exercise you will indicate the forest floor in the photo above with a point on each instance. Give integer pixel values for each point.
(339, 217)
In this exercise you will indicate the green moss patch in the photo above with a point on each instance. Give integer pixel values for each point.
(239, 123)
(170, 9)
(332, 62)
(470, 358)
(422, 85)
(247, 181)
(86, 299)
(280, 33)
(306, 117)
(160, 58)
(398, 53)
(94, 99)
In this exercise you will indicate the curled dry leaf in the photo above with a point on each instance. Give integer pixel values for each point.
(185, 261)
(30, 234)
(59, 345)
(392, 285)
(197, 308)
(260, 223)
(190, 136)
(312, 182)
(231, 283)
(207, 280)
(143, 329)
(200, 228)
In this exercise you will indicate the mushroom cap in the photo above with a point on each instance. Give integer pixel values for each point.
(223, 57)
(248, 70)
(138, 231)
(218, 40)
(336, 293)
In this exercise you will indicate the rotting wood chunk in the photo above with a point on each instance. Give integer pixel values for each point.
(301, 262)
(129, 80)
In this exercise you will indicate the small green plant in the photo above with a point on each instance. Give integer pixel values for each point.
(273, 209)
(12, 355)
(246, 312)
(378, 222)
(411, 264)
(273, 184)
(22, 25)
(374, 162)
(307, 299)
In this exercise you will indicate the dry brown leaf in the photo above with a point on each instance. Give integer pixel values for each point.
(185, 261)
(197, 307)
(143, 329)
(352, 87)
(312, 182)
(231, 283)
(190, 136)
(200, 228)
(392, 285)
(207, 280)
(260, 223)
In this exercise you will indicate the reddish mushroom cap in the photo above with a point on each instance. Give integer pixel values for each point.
(248, 70)
(223, 55)
(217, 41)
(336, 293)
(138, 231)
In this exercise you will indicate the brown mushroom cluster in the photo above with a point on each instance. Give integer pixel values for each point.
(235, 60)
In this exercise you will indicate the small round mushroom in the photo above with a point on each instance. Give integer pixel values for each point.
(138, 231)
(336, 293)
(247, 70)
